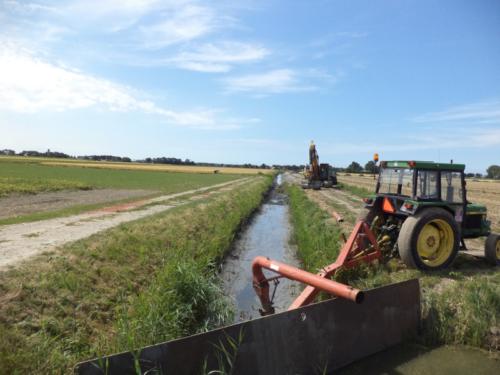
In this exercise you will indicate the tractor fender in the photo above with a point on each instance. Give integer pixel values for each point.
(421, 208)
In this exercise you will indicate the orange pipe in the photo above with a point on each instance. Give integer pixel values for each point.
(337, 216)
(261, 285)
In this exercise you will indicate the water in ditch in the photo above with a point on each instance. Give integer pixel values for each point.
(267, 234)
(413, 359)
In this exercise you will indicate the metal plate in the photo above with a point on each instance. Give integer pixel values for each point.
(317, 338)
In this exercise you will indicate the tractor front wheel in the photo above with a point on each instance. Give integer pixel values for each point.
(429, 240)
(492, 249)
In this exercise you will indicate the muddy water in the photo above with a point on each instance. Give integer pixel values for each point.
(417, 360)
(267, 234)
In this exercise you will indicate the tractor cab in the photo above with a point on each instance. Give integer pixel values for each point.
(427, 202)
(405, 187)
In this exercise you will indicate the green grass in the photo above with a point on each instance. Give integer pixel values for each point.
(32, 177)
(318, 241)
(461, 305)
(140, 283)
(9, 185)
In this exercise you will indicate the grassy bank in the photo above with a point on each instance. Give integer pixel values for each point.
(318, 241)
(137, 284)
(461, 305)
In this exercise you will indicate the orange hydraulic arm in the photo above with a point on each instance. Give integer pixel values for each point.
(361, 246)
(314, 162)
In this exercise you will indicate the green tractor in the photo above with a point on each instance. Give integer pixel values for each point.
(421, 212)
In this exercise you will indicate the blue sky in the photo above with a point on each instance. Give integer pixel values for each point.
(253, 81)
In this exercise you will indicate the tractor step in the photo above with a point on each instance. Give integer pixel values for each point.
(319, 337)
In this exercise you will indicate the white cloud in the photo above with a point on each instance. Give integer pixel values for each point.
(487, 112)
(180, 24)
(282, 81)
(219, 57)
(29, 84)
(272, 82)
(135, 32)
(26, 7)
(109, 15)
(141, 23)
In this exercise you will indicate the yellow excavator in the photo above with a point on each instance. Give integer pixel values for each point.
(318, 175)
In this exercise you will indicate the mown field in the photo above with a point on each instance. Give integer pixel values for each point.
(135, 166)
(137, 284)
(461, 305)
(32, 176)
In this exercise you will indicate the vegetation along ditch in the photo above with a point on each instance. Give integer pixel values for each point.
(141, 283)
(266, 234)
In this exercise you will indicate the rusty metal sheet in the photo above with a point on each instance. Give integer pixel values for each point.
(317, 338)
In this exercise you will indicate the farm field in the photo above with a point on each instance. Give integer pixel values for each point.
(20, 241)
(136, 166)
(31, 190)
(37, 173)
(108, 292)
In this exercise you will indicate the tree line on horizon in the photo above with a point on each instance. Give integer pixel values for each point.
(493, 171)
(148, 160)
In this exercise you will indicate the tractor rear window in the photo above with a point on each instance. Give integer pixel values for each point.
(451, 187)
(427, 185)
(396, 181)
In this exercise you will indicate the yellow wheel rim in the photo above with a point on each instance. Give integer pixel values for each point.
(435, 243)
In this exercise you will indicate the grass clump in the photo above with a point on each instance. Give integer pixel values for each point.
(9, 185)
(137, 284)
(184, 299)
(466, 312)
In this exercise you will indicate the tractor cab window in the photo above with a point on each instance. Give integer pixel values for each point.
(395, 181)
(427, 185)
(451, 187)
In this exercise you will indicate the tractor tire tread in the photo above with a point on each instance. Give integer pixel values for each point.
(490, 249)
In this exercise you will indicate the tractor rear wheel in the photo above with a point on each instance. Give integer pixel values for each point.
(492, 249)
(429, 240)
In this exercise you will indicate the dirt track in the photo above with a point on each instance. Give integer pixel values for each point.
(23, 204)
(21, 241)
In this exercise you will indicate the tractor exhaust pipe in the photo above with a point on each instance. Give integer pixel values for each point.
(261, 283)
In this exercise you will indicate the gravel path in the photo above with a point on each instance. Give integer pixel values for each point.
(23, 204)
(21, 241)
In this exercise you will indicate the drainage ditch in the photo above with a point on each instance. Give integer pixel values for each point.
(267, 234)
